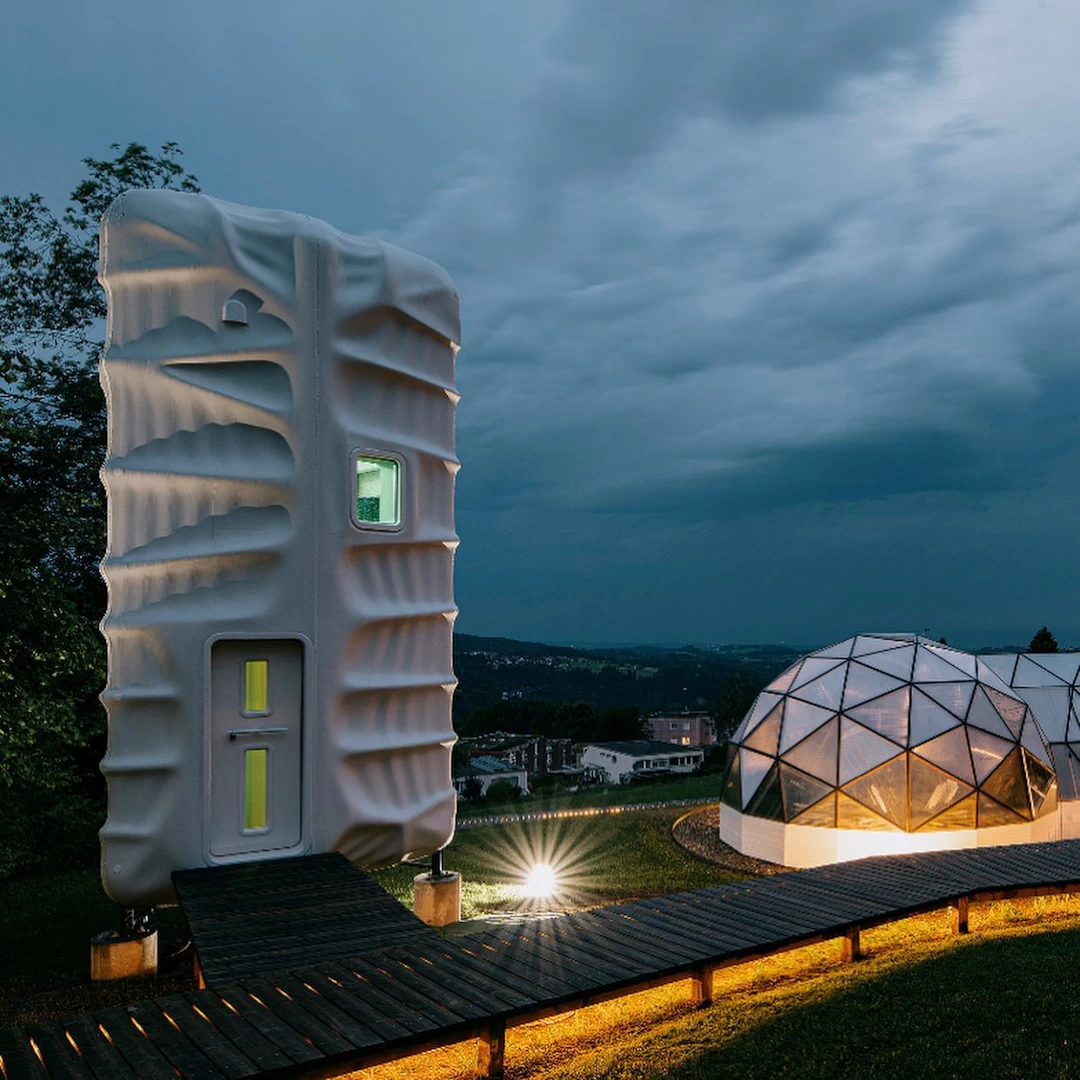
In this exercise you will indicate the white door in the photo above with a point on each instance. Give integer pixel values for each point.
(255, 730)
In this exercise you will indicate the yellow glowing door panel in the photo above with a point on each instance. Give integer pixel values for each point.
(255, 730)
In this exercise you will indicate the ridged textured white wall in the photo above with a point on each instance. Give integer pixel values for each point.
(229, 484)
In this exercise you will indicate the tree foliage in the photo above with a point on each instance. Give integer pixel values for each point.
(52, 514)
(1043, 642)
(737, 693)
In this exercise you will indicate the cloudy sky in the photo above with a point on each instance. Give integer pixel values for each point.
(771, 310)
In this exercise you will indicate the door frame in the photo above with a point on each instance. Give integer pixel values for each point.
(306, 713)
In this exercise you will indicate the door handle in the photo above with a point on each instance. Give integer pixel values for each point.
(233, 732)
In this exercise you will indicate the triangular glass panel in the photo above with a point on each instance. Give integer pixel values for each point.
(992, 813)
(732, 793)
(767, 802)
(949, 752)
(853, 815)
(884, 791)
(782, 682)
(1040, 781)
(800, 718)
(1001, 665)
(895, 662)
(872, 643)
(764, 705)
(989, 678)
(1032, 741)
(821, 814)
(1008, 784)
(1067, 767)
(824, 690)
(1062, 665)
(965, 662)
(1029, 673)
(766, 736)
(928, 718)
(1010, 709)
(887, 715)
(800, 791)
(929, 667)
(1050, 704)
(960, 815)
(861, 750)
(987, 752)
(864, 683)
(839, 651)
(954, 696)
(932, 791)
(983, 715)
(817, 753)
(752, 768)
(811, 669)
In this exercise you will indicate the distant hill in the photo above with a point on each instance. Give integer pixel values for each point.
(651, 677)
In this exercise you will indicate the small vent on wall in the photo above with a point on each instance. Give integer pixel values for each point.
(234, 312)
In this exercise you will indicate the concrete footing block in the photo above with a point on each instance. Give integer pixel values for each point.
(114, 955)
(437, 900)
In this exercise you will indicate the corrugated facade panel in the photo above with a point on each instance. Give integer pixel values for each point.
(230, 479)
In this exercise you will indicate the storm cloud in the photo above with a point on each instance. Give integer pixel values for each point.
(769, 310)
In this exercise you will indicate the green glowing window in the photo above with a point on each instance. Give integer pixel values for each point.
(256, 767)
(378, 490)
(256, 687)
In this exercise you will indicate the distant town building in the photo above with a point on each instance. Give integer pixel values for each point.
(487, 771)
(538, 755)
(685, 728)
(622, 762)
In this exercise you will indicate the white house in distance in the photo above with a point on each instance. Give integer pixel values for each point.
(623, 761)
(489, 770)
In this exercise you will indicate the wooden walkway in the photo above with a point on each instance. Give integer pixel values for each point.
(323, 1017)
(261, 917)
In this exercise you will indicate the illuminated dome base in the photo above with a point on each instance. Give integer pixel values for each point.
(804, 846)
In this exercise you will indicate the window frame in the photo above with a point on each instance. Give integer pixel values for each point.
(377, 455)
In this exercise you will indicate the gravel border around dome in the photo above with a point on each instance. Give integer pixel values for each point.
(698, 833)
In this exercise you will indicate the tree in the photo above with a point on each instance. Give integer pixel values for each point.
(737, 693)
(1043, 642)
(52, 514)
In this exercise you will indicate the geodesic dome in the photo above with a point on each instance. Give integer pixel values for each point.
(1050, 684)
(890, 731)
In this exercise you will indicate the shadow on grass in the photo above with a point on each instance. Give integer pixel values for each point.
(1007, 1006)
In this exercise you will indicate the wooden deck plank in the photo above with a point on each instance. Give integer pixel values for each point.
(373, 997)
(282, 1035)
(426, 1001)
(97, 1053)
(324, 1037)
(353, 1005)
(187, 1058)
(137, 1049)
(20, 1061)
(61, 1060)
(249, 1041)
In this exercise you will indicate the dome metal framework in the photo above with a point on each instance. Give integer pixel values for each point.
(1050, 684)
(890, 732)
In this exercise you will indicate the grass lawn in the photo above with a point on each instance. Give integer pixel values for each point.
(1002, 1002)
(597, 860)
(684, 787)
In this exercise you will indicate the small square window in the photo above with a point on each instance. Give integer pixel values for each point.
(378, 491)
